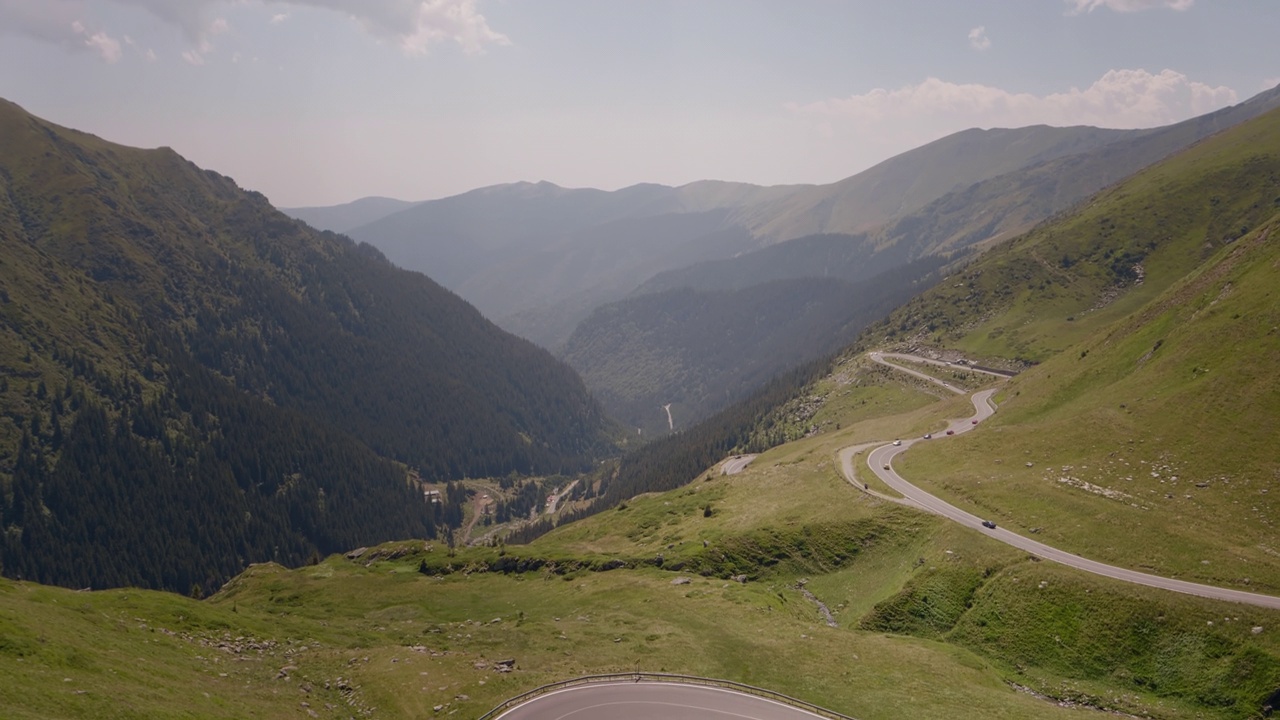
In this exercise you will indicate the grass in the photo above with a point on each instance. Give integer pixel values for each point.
(1068, 279)
(932, 616)
(1140, 445)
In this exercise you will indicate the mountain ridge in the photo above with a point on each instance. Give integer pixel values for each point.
(175, 347)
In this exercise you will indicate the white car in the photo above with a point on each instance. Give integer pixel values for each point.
(897, 442)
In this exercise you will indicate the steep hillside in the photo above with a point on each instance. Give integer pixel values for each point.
(1033, 297)
(1147, 425)
(1151, 442)
(910, 181)
(176, 349)
(343, 218)
(693, 352)
(848, 257)
(1002, 206)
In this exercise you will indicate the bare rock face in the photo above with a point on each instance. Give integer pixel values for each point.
(681, 581)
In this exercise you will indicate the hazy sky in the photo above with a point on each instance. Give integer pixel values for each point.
(324, 101)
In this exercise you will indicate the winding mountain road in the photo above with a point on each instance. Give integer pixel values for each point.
(881, 459)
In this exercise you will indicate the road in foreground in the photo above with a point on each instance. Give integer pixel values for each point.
(881, 462)
(652, 701)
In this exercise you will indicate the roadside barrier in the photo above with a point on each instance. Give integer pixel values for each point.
(662, 677)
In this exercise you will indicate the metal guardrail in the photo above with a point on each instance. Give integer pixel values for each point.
(661, 677)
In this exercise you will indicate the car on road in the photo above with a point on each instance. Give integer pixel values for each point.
(974, 421)
(897, 442)
(988, 524)
(951, 432)
(886, 466)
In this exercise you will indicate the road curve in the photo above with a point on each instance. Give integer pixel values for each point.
(736, 464)
(881, 462)
(652, 701)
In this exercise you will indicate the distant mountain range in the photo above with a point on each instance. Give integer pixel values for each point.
(348, 216)
(540, 259)
(191, 381)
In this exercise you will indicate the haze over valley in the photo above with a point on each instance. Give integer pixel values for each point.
(457, 358)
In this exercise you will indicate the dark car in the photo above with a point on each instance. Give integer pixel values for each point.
(974, 421)
(951, 432)
(988, 524)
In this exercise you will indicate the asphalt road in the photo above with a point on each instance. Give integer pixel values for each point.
(881, 462)
(652, 701)
(736, 464)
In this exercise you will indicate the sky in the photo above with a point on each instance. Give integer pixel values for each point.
(319, 102)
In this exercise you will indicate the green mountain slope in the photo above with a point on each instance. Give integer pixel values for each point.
(174, 348)
(701, 351)
(911, 180)
(1005, 205)
(1057, 285)
(1145, 434)
(1150, 443)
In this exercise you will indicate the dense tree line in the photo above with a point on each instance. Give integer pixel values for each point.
(193, 381)
(527, 498)
(124, 499)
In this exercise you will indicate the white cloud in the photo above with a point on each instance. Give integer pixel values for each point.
(1269, 83)
(978, 39)
(412, 25)
(151, 55)
(193, 57)
(105, 45)
(1127, 6)
(933, 108)
(415, 25)
(455, 20)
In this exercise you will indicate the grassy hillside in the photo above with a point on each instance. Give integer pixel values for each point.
(174, 348)
(910, 181)
(1003, 206)
(928, 616)
(1143, 443)
(1066, 280)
